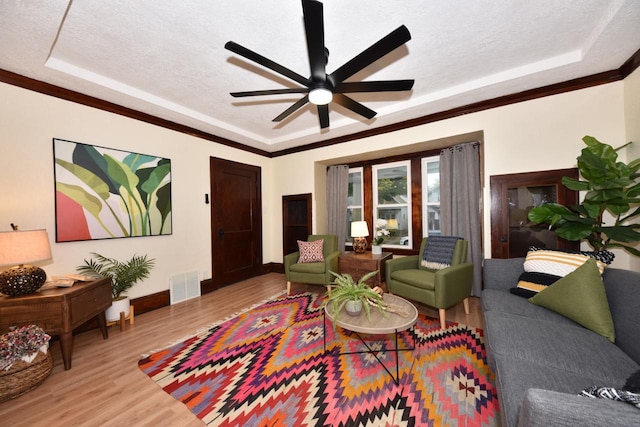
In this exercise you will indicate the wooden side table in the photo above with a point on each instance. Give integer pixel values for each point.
(58, 311)
(357, 265)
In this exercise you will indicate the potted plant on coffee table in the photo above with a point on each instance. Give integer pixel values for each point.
(353, 296)
(123, 276)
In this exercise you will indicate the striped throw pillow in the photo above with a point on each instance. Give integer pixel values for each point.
(310, 251)
(543, 267)
(557, 263)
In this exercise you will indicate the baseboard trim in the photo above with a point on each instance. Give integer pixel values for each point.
(162, 299)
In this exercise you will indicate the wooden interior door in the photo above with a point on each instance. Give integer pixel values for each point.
(296, 221)
(236, 221)
(512, 196)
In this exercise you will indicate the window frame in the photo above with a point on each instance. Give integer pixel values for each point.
(360, 169)
(424, 162)
(375, 168)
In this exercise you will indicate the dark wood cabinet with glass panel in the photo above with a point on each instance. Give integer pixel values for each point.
(512, 197)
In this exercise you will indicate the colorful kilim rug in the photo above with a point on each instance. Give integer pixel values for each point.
(268, 367)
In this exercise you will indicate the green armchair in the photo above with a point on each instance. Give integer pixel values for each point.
(441, 289)
(317, 273)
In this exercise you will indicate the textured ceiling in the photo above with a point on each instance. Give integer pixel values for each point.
(167, 58)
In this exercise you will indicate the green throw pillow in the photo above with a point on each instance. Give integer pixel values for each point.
(581, 297)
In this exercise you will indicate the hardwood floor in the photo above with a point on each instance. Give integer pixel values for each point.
(105, 387)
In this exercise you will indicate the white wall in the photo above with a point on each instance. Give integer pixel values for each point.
(29, 121)
(632, 120)
(541, 134)
(535, 135)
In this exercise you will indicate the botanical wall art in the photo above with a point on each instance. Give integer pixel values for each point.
(102, 193)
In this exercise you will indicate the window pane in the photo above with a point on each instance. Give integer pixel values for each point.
(354, 196)
(433, 220)
(392, 185)
(433, 182)
(353, 214)
(431, 196)
(397, 225)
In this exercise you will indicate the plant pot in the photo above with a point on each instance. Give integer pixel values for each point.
(376, 250)
(117, 306)
(353, 308)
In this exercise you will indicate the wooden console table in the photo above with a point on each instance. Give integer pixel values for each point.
(357, 265)
(59, 311)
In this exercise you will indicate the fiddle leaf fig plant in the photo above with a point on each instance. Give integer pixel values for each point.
(611, 187)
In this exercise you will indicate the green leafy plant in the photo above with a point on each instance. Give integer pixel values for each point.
(123, 274)
(611, 186)
(347, 289)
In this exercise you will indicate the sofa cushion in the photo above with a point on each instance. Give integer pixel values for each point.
(515, 376)
(310, 251)
(422, 279)
(309, 267)
(623, 295)
(569, 348)
(581, 297)
(543, 408)
(495, 300)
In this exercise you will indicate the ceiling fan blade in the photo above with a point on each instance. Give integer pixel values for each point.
(374, 86)
(265, 62)
(292, 109)
(390, 42)
(314, 28)
(323, 115)
(269, 92)
(354, 106)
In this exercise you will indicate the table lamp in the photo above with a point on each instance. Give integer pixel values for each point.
(359, 232)
(18, 249)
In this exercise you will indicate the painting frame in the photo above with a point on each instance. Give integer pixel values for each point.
(107, 193)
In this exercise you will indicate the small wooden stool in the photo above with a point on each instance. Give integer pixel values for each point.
(123, 319)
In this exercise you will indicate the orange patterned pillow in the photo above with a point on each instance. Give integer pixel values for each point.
(310, 251)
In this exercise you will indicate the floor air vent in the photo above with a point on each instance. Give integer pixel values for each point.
(184, 286)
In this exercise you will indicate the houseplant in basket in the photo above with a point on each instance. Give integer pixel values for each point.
(123, 274)
(353, 296)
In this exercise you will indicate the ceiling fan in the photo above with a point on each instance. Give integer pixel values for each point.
(321, 88)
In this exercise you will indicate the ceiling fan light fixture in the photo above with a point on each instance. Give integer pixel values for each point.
(320, 96)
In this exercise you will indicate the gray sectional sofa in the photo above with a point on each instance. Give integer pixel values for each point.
(542, 360)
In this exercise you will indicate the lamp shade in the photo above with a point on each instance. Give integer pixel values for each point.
(24, 247)
(359, 229)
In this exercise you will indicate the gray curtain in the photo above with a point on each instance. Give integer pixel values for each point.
(337, 192)
(460, 210)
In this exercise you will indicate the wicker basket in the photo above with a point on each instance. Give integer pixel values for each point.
(23, 376)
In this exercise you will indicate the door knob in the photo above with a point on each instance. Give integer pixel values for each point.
(220, 233)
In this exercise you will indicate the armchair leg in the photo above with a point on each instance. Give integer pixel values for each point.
(288, 287)
(465, 302)
(443, 323)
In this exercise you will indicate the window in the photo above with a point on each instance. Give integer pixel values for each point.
(392, 201)
(355, 197)
(431, 196)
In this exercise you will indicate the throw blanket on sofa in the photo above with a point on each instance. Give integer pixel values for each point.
(438, 252)
(612, 394)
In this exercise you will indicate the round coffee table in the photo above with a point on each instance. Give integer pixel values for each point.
(377, 324)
